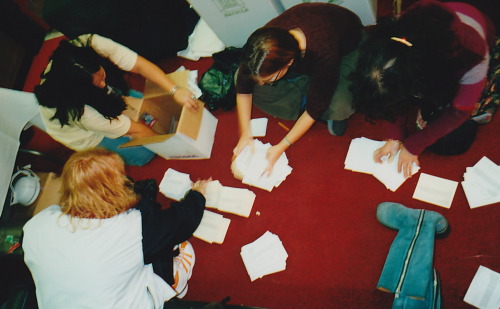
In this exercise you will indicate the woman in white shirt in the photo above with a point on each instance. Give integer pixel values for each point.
(106, 247)
(81, 96)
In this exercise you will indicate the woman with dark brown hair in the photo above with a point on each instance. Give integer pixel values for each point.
(106, 247)
(295, 68)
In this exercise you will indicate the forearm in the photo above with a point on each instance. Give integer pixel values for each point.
(303, 124)
(244, 110)
(448, 121)
(138, 129)
(152, 72)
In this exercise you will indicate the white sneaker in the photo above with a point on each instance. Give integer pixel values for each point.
(183, 268)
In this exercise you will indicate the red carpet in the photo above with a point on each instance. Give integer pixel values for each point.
(325, 217)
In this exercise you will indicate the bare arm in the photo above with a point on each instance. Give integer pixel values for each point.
(152, 72)
(244, 109)
(303, 124)
(138, 129)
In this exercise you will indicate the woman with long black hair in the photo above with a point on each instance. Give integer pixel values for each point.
(430, 62)
(81, 96)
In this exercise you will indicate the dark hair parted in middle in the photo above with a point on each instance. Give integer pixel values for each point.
(268, 50)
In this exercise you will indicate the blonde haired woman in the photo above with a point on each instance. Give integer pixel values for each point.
(104, 246)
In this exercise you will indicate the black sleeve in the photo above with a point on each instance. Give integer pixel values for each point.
(162, 229)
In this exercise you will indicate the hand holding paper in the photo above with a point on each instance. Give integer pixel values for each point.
(388, 150)
(251, 167)
(406, 162)
(175, 184)
(360, 158)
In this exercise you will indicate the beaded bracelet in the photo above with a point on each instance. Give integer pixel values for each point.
(287, 141)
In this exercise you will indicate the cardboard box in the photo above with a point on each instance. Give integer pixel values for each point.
(365, 9)
(184, 134)
(234, 20)
(50, 192)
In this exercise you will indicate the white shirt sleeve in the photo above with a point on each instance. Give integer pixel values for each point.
(122, 56)
(92, 120)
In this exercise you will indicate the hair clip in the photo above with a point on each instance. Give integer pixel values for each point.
(401, 40)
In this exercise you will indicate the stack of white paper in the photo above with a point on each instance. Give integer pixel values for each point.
(249, 167)
(360, 159)
(482, 183)
(213, 228)
(227, 199)
(212, 193)
(264, 256)
(175, 184)
(238, 201)
(435, 190)
(484, 290)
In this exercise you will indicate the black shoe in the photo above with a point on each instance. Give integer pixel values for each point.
(336, 127)
(147, 188)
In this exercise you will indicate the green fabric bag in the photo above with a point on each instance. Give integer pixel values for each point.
(217, 83)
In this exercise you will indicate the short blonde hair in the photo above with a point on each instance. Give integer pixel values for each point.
(95, 185)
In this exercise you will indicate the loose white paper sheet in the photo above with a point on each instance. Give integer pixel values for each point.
(212, 193)
(213, 228)
(192, 82)
(258, 127)
(236, 201)
(481, 183)
(435, 190)
(264, 256)
(360, 155)
(484, 290)
(360, 159)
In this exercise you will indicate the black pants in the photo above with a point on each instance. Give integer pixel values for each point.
(457, 141)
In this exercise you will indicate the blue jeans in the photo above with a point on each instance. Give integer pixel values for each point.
(408, 271)
(136, 155)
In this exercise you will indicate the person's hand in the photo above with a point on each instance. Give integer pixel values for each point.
(405, 162)
(201, 185)
(390, 149)
(185, 97)
(421, 123)
(272, 155)
(242, 143)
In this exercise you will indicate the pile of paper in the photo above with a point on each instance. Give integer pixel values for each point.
(213, 228)
(482, 183)
(228, 199)
(360, 159)
(238, 201)
(174, 184)
(249, 167)
(264, 256)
